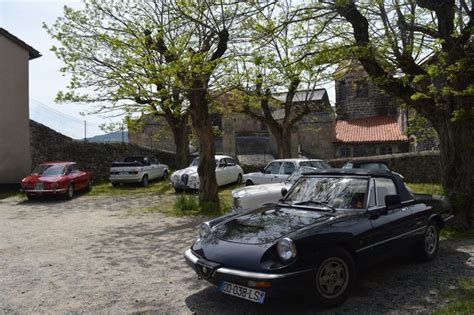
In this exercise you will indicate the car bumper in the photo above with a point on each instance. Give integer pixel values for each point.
(274, 284)
(126, 178)
(45, 191)
(185, 187)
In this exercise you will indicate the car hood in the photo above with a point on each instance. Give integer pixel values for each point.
(45, 179)
(191, 170)
(266, 225)
(260, 189)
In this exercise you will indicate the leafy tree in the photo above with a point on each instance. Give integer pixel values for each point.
(105, 51)
(272, 61)
(422, 52)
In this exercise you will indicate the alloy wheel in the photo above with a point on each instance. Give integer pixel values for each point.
(431, 239)
(332, 277)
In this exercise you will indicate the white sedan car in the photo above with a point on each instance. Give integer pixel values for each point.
(227, 172)
(278, 171)
(253, 197)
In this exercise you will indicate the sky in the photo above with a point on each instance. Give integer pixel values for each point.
(24, 19)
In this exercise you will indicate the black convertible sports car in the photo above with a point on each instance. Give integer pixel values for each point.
(328, 224)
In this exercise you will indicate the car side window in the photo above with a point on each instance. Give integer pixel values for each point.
(384, 187)
(73, 169)
(230, 162)
(273, 168)
(289, 168)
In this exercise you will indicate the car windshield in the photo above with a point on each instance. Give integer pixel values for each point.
(139, 159)
(317, 164)
(195, 162)
(333, 192)
(49, 170)
(299, 172)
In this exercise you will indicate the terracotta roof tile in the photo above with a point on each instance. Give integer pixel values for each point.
(370, 129)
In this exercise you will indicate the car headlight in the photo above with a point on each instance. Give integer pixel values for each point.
(193, 178)
(237, 202)
(286, 249)
(204, 230)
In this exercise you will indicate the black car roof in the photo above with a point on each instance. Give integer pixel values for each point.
(405, 195)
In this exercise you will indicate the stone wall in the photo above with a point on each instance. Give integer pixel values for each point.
(48, 145)
(416, 167)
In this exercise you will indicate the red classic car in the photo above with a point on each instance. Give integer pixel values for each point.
(56, 178)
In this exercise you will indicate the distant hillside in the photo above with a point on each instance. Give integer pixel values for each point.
(110, 137)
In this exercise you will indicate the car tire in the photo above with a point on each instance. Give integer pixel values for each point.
(427, 248)
(89, 185)
(248, 183)
(335, 276)
(144, 181)
(239, 179)
(165, 175)
(69, 192)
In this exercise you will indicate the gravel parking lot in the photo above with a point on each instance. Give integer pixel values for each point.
(103, 254)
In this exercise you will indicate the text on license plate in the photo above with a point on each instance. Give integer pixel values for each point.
(39, 186)
(242, 292)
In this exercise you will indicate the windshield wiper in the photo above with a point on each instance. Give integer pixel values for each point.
(314, 202)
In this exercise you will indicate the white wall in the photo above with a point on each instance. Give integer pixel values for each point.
(15, 156)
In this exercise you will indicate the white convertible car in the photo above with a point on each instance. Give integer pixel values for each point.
(227, 172)
(278, 171)
(137, 169)
(253, 197)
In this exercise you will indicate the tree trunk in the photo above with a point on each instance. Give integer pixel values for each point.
(179, 128)
(457, 167)
(181, 141)
(283, 141)
(203, 127)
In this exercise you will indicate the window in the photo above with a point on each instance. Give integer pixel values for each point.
(230, 162)
(362, 89)
(384, 187)
(385, 150)
(288, 168)
(273, 168)
(345, 152)
(73, 169)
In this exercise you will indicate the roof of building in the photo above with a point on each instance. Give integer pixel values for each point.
(370, 129)
(303, 95)
(33, 53)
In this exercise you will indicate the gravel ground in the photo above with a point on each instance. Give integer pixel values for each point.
(101, 254)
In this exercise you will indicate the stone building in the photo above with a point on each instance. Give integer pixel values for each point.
(364, 122)
(369, 122)
(15, 155)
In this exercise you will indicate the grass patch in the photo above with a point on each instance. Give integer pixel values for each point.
(451, 234)
(187, 204)
(9, 194)
(106, 188)
(424, 188)
(461, 299)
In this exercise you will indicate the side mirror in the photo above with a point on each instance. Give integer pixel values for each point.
(284, 191)
(392, 201)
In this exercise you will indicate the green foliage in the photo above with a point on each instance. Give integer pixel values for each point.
(451, 234)
(187, 203)
(420, 127)
(426, 188)
(461, 299)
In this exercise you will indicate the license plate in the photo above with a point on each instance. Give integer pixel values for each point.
(242, 292)
(39, 186)
(123, 173)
